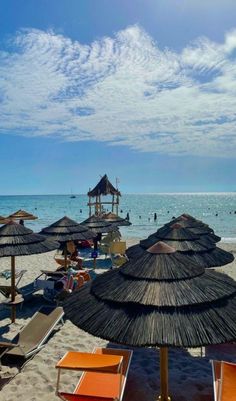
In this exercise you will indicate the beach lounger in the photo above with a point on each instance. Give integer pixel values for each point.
(104, 374)
(26, 291)
(33, 336)
(224, 380)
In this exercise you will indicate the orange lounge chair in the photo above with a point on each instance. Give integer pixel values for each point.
(224, 377)
(104, 377)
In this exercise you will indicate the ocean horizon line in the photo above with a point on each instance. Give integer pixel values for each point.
(137, 193)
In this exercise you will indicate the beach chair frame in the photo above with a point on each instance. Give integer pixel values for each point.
(41, 343)
(218, 377)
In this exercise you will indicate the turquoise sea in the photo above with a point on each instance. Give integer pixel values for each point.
(216, 209)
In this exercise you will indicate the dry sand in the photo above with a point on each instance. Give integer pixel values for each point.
(189, 374)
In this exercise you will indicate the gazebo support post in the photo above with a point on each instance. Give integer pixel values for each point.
(13, 290)
(164, 374)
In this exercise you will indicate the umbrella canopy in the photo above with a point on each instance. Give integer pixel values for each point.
(17, 240)
(202, 250)
(3, 220)
(22, 215)
(99, 225)
(115, 220)
(65, 229)
(162, 299)
(164, 290)
(196, 226)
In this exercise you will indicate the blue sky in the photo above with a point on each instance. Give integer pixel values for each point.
(142, 90)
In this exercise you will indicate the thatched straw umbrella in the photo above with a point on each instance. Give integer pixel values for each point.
(98, 224)
(158, 300)
(195, 226)
(202, 250)
(4, 220)
(17, 240)
(116, 220)
(22, 215)
(65, 230)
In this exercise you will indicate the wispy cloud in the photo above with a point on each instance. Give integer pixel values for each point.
(123, 90)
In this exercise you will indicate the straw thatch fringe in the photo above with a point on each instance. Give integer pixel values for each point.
(66, 229)
(99, 225)
(213, 258)
(205, 288)
(173, 266)
(150, 326)
(17, 240)
(180, 245)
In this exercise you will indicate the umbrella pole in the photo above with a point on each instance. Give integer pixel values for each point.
(164, 374)
(65, 253)
(13, 290)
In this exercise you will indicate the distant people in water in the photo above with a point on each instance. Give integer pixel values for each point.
(121, 211)
(155, 217)
(127, 216)
(80, 211)
(21, 222)
(140, 217)
(216, 214)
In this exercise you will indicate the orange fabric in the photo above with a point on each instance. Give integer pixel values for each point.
(228, 382)
(100, 384)
(76, 397)
(86, 361)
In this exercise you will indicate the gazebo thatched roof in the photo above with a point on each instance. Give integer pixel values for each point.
(163, 299)
(98, 225)
(22, 215)
(17, 240)
(65, 229)
(104, 187)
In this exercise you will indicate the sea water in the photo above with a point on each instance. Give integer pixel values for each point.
(216, 209)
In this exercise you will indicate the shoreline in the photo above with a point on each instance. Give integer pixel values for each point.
(189, 373)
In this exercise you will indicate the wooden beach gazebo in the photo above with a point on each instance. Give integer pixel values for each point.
(96, 202)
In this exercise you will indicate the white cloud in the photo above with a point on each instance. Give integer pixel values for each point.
(123, 90)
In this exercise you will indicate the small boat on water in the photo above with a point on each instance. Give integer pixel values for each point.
(72, 196)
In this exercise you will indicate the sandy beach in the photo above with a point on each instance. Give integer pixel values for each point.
(189, 374)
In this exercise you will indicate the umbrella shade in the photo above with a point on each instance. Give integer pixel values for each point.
(195, 226)
(98, 225)
(22, 215)
(17, 240)
(176, 303)
(162, 299)
(3, 220)
(66, 229)
(203, 250)
(115, 220)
